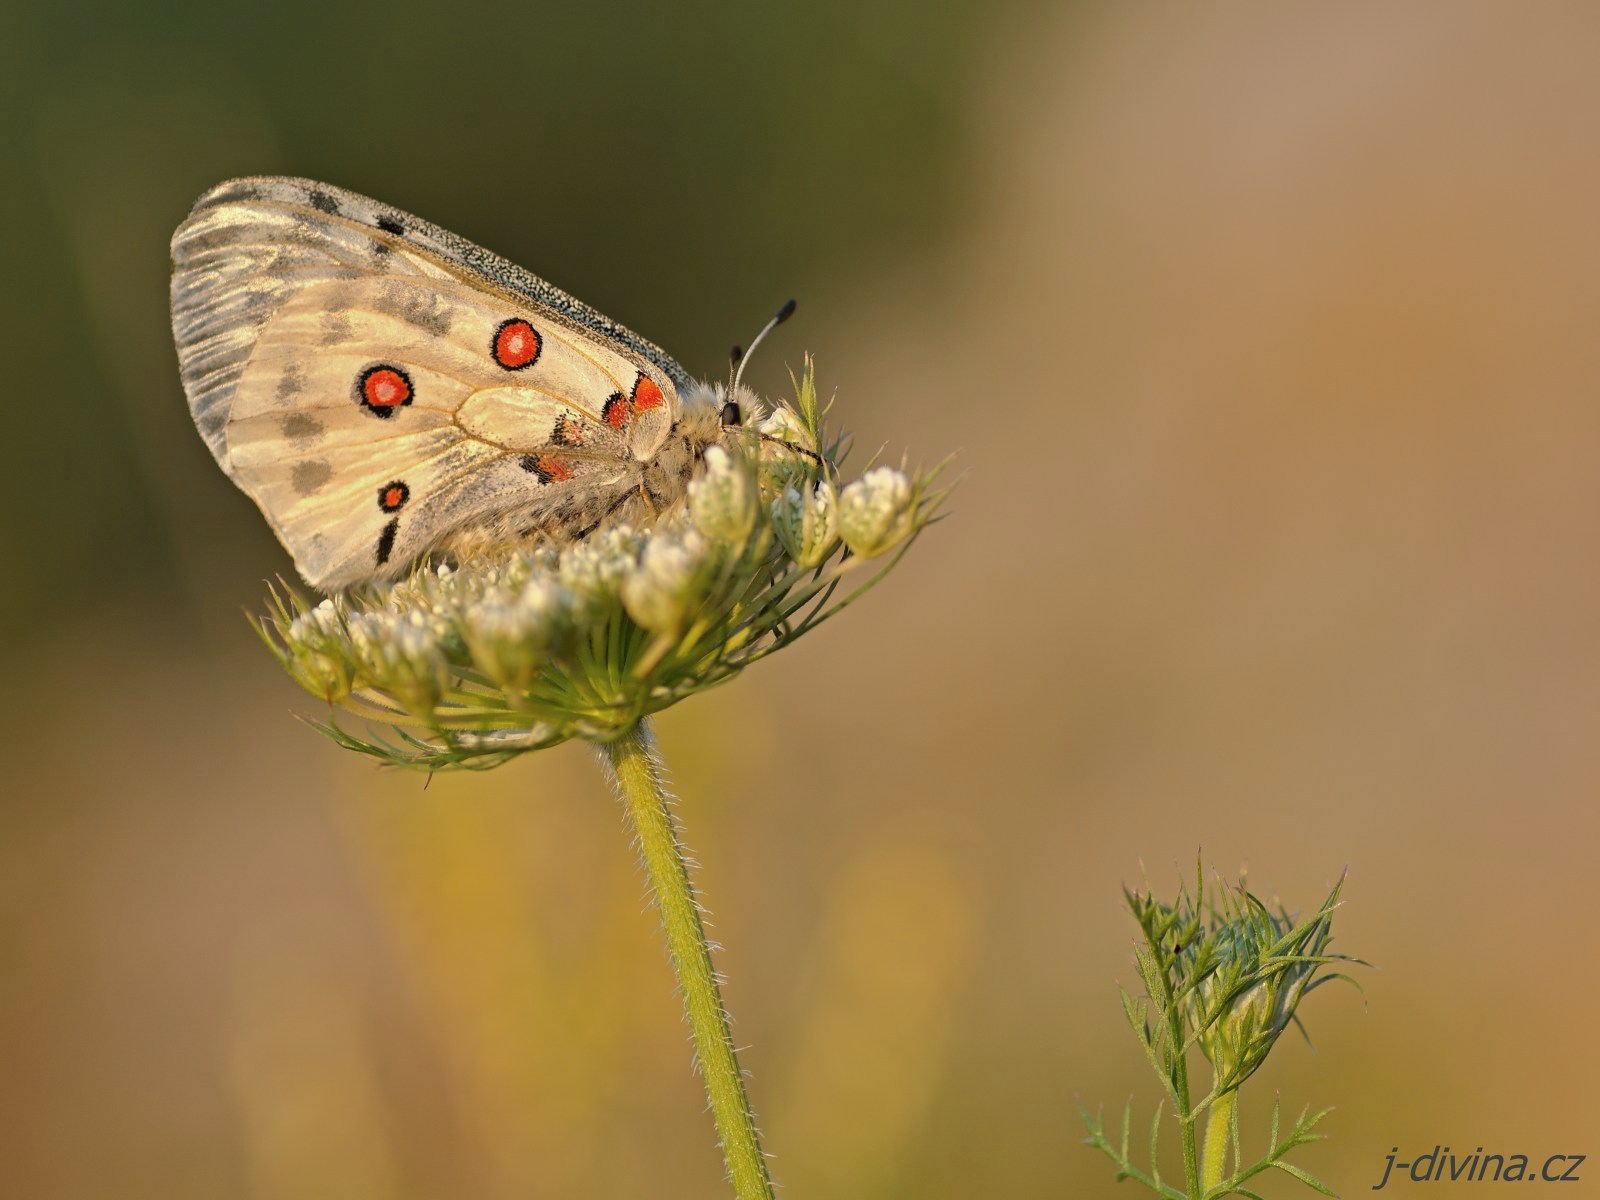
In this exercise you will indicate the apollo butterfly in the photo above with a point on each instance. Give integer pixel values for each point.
(334, 349)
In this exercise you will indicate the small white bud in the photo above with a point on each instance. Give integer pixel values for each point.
(876, 511)
(313, 628)
(722, 498)
(665, 588)
(400, 654)
(594, 568)
(806, 522)
(316, 645)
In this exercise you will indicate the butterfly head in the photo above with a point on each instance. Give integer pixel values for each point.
(717, 414)
(738, 409)
(714, 412)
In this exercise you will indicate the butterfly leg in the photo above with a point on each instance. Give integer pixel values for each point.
(626, 498)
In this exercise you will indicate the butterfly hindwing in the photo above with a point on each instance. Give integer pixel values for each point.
(374, 382)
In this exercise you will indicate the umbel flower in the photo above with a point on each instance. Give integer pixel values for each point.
(471, 663)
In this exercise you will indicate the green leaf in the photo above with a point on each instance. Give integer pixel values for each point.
(1092, 1124)
(1305, 1177)
(1155, 1135)
(1233, 1132)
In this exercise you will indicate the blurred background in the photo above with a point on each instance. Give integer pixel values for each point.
(1266, 335)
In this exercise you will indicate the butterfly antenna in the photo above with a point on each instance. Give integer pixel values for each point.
(734, 356)
(784, 314)
(793, 447)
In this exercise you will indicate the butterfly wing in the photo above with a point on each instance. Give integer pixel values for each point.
(375, 382)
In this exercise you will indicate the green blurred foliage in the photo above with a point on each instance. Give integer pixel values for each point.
(683, 167)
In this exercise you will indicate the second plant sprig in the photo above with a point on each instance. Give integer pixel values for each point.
(1224, 973)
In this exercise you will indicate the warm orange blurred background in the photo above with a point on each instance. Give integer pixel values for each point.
(1266, 335)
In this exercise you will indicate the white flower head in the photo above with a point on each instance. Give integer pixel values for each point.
(877, 512)
(664, 589)
(595, 567)
(315, 626)
(722, 499)
(510, 632)
(314, 645)
(401, 654)
(806, 522)
(416, 641)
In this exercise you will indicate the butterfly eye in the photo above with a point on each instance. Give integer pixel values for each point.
(731, 414)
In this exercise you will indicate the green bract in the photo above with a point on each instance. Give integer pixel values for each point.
(471, 663)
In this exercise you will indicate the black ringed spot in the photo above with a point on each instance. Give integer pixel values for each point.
(382, 388)
(392, 497)
(515, 344)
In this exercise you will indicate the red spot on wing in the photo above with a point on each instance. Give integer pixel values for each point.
(385, 387)
(392, 497)
(617, 411)
(646, 395)
(516, 344)
(553, 469)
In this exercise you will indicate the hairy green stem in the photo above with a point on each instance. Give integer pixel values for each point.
(1180, 1078)
(636, 768)
(1219, 1126)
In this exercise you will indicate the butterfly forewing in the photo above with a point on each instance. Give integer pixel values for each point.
(374, 382)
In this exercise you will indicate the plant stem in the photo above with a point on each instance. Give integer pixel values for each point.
(635, 766)
(1180, 1077)
(1219, 1124)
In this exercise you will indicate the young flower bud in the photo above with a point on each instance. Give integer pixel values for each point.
(877, 512)
(805, 521)
(1242, 1008)
(315, 642)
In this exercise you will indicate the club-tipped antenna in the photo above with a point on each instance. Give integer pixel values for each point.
(734, 356)
(784, 314)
